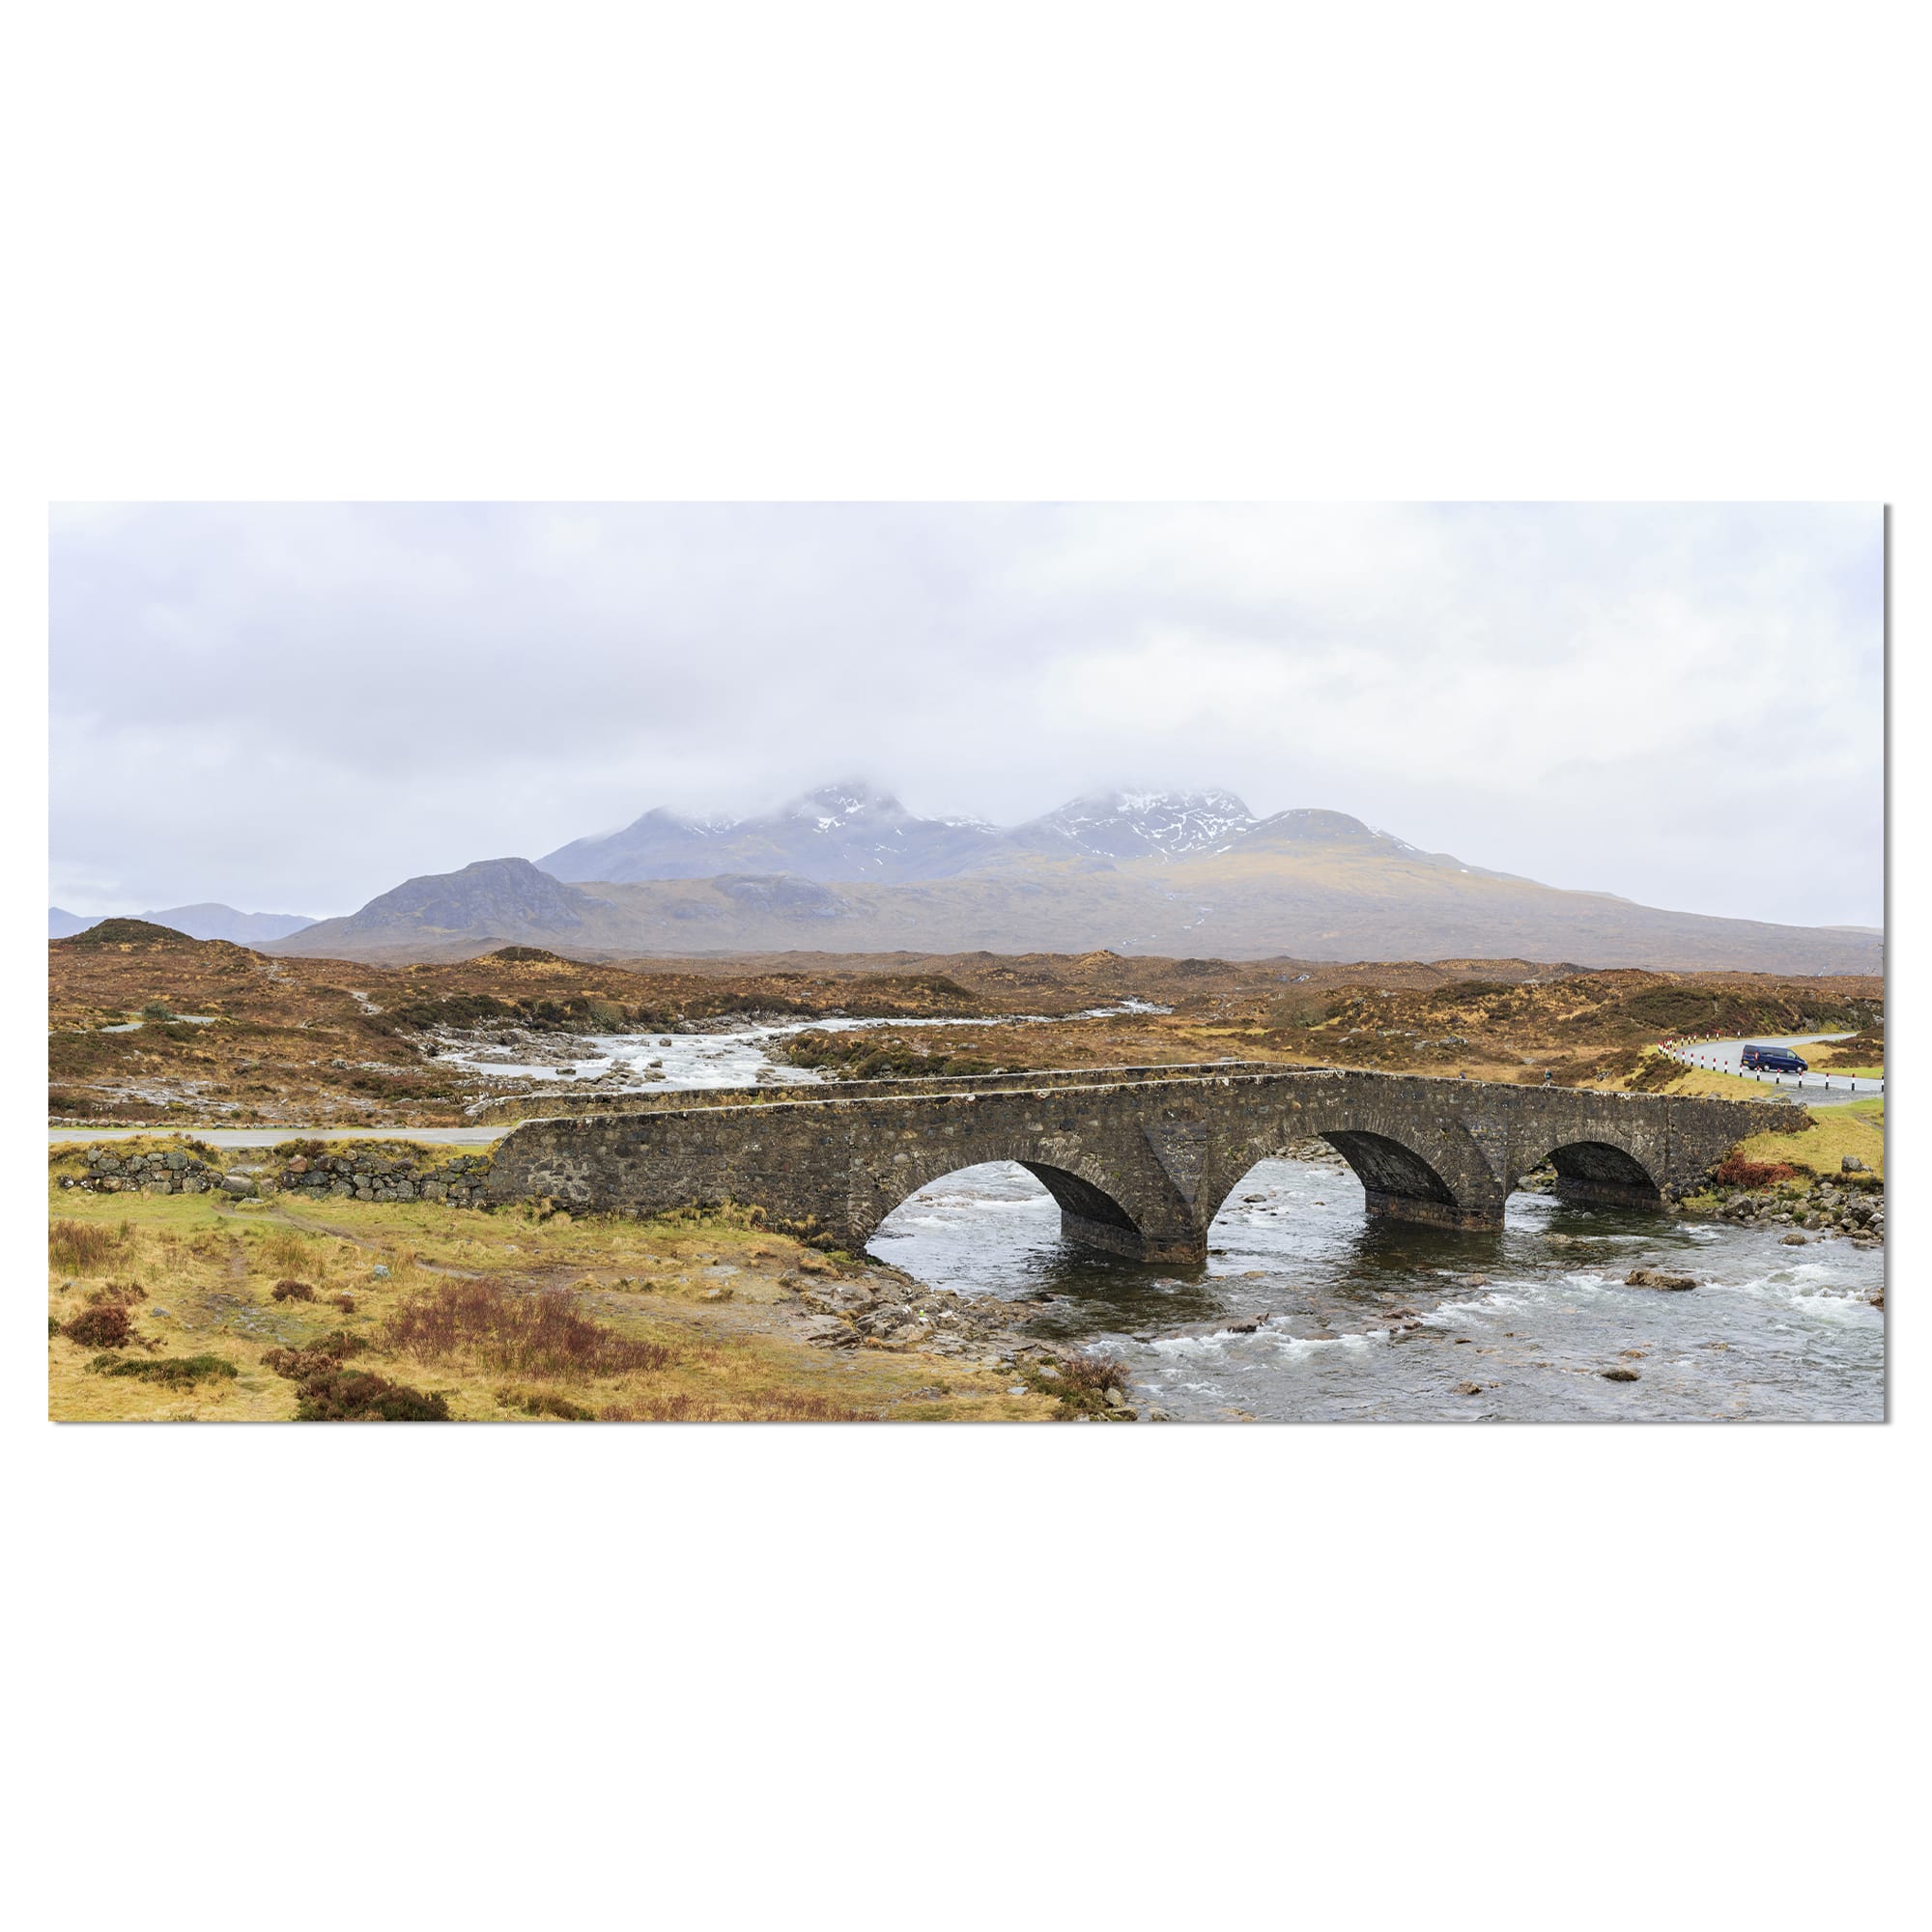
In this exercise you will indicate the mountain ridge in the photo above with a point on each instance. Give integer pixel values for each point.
(208, 920)
(1342, 898)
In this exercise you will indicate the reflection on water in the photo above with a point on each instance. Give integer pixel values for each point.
(1528, 1317)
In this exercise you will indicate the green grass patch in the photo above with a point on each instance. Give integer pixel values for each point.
(1857, 1128)
(169, 1371)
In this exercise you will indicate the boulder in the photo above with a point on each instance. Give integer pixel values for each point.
(1793, 1242)
(1673, 1284)
(237, 1183)
(1621, 1375)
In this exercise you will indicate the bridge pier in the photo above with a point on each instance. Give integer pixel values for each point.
(1424, 1213)
(1187, 1250)
(1591, 1190)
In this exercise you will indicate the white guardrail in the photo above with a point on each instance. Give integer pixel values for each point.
(1706, 1054)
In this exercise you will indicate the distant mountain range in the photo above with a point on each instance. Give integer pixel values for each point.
(848, 869)
(198, 922)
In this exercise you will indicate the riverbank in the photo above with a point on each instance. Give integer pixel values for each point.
(208, 1307)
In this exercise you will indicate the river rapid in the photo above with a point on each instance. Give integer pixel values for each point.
(1289, 1321)
(731, 1056)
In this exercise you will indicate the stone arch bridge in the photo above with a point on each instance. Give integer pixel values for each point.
(1139, 1159)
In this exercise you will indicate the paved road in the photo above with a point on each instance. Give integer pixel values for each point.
(1819, 1090)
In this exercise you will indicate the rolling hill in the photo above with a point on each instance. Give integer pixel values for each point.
(1132, 874)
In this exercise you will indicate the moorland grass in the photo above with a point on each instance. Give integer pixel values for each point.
(209, 1268)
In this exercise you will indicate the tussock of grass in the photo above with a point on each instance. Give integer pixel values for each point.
(1079, 1383)
(80, 1246)
(169, 1371)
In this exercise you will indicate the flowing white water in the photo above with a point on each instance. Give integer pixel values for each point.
(650, 1063)
(1770, 1333)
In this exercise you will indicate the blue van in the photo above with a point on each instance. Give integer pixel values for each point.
(1771, 1059)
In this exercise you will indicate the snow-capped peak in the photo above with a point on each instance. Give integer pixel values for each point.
(1133, 824)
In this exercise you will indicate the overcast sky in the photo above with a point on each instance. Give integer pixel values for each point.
(291, 709)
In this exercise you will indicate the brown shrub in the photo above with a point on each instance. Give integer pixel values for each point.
(538, 1334)
(1098, 1373)
(104, 1328)
(292, 1291)
(115, 1295)
(351, 1395)
(344, 1302)
(299, 1364)
(79, 1245)
(1738, 1171)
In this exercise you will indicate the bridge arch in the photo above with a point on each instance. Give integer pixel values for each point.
(1600, 1172)
(1426, 1170)
(1098, 1207)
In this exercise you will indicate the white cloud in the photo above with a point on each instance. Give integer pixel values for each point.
(293, 708)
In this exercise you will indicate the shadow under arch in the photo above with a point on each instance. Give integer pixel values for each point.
(1601, 1173)
(1397, 1183)
(1089, 1213)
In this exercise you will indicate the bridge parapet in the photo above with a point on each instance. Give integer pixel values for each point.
(570, 1105)
(1139, 1159)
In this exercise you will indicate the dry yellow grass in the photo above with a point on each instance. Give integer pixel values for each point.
(209, 1269)
(1857, 1128)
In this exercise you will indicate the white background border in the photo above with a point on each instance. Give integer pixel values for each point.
(1365, 1676)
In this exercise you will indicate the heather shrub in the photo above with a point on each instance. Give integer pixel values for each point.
(538, 1334)
(1738, 1171)
(317, 1358)
(351, 1394)
(344, 1302)
(104, 1327)
(292, 1291)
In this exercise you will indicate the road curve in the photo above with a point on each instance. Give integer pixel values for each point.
(1819, 1090)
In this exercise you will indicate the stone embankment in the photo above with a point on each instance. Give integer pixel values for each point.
(315, 1171)
(1852, 1210)
(884, 1309)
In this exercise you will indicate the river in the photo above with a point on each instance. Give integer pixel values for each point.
(1529, 1319)
(1772, 1333)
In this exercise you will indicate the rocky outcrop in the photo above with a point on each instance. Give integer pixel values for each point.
(1853, 1207)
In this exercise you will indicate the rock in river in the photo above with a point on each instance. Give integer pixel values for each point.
(1656, 1278)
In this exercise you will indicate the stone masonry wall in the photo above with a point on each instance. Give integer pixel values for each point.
(459, 1182)
(1140, 1167)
